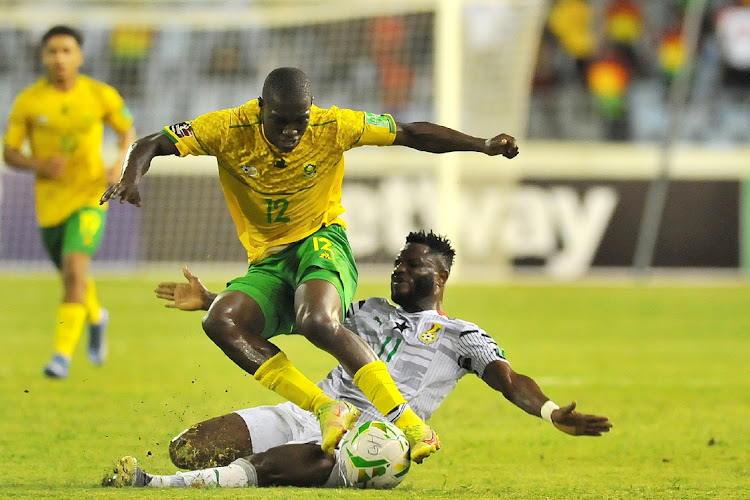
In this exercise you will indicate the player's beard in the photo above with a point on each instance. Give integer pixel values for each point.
(410, 296)
(424, 286)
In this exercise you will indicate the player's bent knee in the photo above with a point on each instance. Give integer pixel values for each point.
(216, 326)
(317, 326)
(231, 315)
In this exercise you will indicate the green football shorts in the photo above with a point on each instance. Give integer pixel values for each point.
(325, 254)
(81, 232)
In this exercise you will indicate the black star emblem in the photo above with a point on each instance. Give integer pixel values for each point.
(401, 326)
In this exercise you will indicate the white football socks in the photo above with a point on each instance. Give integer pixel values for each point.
(238, 474)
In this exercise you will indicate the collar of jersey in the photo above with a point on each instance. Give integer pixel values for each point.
(439, 311)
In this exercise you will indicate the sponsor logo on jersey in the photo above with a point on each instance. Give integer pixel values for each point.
(430, 336)
(310, 171)
(325, 255)
(181, 130)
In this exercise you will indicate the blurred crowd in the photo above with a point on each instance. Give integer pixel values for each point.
(176, 73)
(604, 71)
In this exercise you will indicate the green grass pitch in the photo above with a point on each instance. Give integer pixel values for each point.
(668, 365)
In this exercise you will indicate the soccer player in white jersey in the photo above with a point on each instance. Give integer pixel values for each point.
(426, 352)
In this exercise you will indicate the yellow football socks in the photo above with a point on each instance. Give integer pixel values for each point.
(93, 309)
(281, 376)
(407, 418)
(70, 320)
(378, 385)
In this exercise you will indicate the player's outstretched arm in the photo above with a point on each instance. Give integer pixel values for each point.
(190, 296)
(137, 163)
(525, 393)
(433, 138)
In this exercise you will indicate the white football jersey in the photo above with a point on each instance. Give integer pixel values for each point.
(426, 354)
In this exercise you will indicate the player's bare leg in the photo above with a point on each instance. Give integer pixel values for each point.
(235, 322)
(212, 443)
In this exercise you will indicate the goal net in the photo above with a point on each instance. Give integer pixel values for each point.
(465, 64)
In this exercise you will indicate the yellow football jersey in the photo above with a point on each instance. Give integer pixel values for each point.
(68, 124)
(278, 198)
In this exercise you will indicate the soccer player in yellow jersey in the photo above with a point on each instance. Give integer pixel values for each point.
(62, 116)
(281, 167)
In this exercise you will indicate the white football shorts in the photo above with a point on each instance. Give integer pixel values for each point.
(287, 423)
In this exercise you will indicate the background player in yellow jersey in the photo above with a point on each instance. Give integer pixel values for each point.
(281, 168)
(62, 116)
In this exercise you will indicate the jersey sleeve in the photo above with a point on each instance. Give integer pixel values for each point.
(205, 135)
(360, 128)
(117, 115)
(17, 130)
(476, 349)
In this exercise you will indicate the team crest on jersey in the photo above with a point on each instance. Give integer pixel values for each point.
(310, 171)
(430, 336)
(181, 130)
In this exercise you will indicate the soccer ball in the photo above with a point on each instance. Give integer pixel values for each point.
(375, 455)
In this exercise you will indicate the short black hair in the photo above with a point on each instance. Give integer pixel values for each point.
(437, 244)
(288, 82)
(63, 30)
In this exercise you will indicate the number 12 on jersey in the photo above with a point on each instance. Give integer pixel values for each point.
(275, 210)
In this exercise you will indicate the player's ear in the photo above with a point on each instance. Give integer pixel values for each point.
(442, 277)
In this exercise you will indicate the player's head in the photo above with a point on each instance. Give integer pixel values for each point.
(61, 53)
(285, 107)
(421, 270)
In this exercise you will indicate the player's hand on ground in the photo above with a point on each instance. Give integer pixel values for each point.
(52, 168)
(184, 296)
(502, 144)
(126, 191)
(579, 424)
